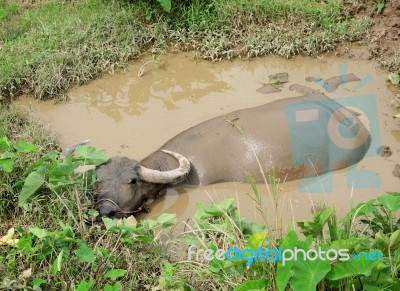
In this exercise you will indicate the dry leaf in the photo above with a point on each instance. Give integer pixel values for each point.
(27, 273)
(128, 221)
(9, 239)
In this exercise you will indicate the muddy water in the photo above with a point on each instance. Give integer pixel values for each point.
(124, 114)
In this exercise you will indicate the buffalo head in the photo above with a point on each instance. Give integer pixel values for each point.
(123, 185)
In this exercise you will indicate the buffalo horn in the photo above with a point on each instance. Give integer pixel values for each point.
(166, 177)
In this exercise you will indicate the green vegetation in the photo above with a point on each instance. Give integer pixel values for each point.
(44, 207)
(47, 205)
(45, 241)
(49, 46)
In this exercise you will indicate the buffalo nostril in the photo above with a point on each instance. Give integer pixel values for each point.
(105, 210)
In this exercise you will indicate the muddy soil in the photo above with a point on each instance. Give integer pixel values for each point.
(124, 114)
(383, 43)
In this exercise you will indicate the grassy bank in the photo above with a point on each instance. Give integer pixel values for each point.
(49, 46)
(57, 250)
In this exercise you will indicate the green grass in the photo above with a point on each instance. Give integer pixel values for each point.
(57, 249)
(57, 45)
(50, 46)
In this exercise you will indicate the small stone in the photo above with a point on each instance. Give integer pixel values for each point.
(384, 151)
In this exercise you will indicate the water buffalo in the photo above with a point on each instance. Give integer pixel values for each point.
(297, 136)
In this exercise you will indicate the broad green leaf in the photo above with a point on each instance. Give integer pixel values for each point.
(166, 220)
(26, 147)
(250, 227)
(315, 227)
(215, 265)
(108, 222)
(200, 211)
(227, 204)
(380, 6)
(37, 282)
(91, 155)
(385, 242)
(59, 182)
(149, 223)
(253, 285)
(85, 254)
(390, 202)
(394, 238)
(394, 78)
(351, 268)
(4, 144)
(310, 228)
(108, 287)
(168, 268)
(62, 170)
(284, 273)
(57, 263)
(6, 165)
(307, 274)
(382, 238)
(39, 232)
(93, 212)
(85, 286)
(114, 274)
(256, 240)
(214, 210)
(31, 185)
(345, 244)
(50, 156)
(322, 217)
(360, 210)
(166, 5)
(103, 252)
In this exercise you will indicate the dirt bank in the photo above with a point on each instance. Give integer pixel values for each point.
(383, 42)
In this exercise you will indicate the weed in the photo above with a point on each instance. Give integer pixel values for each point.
(48, 204)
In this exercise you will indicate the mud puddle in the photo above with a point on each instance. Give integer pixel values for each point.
(124, 114)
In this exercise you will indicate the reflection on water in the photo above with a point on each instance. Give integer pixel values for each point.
(124, 114)
(175, 80)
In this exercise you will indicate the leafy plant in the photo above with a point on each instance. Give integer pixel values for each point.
(394, 78)
(55, 174)
(8, 152)
(367, 257)
(165, 4)
(380, 6)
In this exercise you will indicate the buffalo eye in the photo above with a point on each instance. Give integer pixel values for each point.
(134, 181)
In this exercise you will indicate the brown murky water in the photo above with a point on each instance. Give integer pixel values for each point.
(124, 114)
